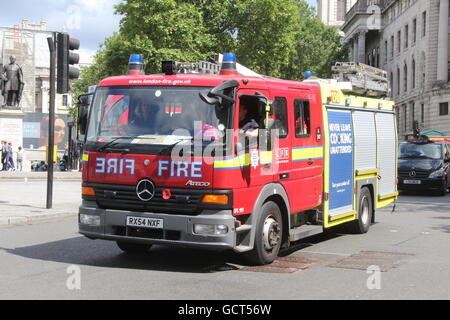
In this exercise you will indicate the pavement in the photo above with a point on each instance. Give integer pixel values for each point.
(23, 197)
(39, 176)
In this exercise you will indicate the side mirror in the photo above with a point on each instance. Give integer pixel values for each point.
(83, 111)
(213, 96)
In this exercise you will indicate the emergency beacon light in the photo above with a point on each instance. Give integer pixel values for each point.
(136, 65)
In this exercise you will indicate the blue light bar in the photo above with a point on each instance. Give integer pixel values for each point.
(308, 74)
(136, 58)
(229, 57)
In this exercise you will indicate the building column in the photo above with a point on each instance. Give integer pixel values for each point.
(362, 46)
(442, 63)
(349, 44)
(355, 49)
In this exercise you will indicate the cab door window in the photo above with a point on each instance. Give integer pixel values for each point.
(281, 117)
(302, 118)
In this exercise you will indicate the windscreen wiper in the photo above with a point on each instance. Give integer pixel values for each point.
(112, 142)
(172, 146)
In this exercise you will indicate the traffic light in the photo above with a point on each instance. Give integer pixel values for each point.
(66, 60)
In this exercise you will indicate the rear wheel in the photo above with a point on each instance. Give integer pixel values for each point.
(365, 213)
(128, 247)
(268, 236)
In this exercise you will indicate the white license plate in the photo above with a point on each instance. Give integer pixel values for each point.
(148, 223)
(412, 181)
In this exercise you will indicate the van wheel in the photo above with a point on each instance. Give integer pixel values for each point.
(268, 236)
(128, 247)
(365, 213)
(443, 190)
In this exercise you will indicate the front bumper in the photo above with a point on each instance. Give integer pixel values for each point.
(178, 229)
(425, 184)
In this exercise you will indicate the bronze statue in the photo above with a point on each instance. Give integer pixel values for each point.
(13, 83)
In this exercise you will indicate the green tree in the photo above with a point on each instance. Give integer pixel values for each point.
(317, 47)
(278, 38)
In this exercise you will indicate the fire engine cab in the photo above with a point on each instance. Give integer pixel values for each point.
(212, 155)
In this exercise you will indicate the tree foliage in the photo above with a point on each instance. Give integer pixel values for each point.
(278, 38)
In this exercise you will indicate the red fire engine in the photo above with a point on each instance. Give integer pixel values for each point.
(205, 156)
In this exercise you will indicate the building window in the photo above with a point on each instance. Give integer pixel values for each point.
(398, 81)
(399, 41)
(392, 84)
(443, 109)
(378, 58)
(406, 36)
(65, 100)
(424, 24)
(413, 70)
(413, 111)
(392, 47)
(405, 78)
(414, 30)
(422, 113)
(405, 112)
(385, 51)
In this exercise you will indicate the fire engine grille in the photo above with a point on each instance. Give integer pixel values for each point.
(124, 197)
(415, 175)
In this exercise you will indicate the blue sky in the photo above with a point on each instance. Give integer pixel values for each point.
(91, 21)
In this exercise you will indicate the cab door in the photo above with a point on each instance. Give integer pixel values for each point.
(281, 136)
(306, 183)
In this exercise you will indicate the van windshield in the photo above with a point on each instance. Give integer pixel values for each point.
(155, 115)
(427, 151)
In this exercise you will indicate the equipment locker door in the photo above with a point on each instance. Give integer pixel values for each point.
(341, 162)
(387, 154)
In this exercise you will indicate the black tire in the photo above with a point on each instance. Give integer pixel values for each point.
(133, 248)
(269, 235)
(365, 213)
(443, 191)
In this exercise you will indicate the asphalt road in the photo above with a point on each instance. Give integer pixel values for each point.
(411, 246)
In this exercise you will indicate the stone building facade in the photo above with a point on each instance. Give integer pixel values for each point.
(410, 40)
(332, 12)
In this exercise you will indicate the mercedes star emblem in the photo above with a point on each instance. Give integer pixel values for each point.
(145, 190)
(412, 174)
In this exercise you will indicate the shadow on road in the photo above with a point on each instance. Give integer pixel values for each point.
(81, 251)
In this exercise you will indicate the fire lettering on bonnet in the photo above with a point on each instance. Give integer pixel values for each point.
(115, 166)
(180, 169)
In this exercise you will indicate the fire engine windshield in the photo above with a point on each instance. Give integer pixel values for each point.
(156, 116)
(427, 151)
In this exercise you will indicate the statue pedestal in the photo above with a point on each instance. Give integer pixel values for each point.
(11, 127)
(11, 124)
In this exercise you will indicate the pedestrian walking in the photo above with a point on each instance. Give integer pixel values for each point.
(4, 153)
(9, 158)
(20, 159)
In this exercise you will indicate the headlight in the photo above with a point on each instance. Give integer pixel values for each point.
(90, 220)
(437, 174)
(210, 230)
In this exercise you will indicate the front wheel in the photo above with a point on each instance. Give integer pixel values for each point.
(443, 190)
(268, 236)
(133, 248)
